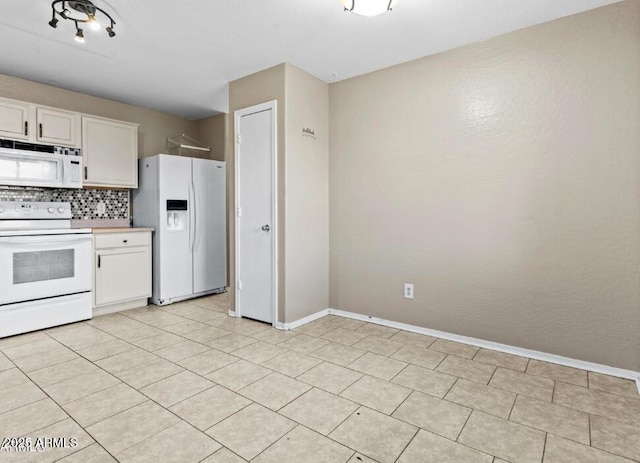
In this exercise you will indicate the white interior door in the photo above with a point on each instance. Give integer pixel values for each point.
(255, 215)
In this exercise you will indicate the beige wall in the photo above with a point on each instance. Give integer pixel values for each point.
(307, 195)
(212, 131)
(503, 180)
(154, 128)
(248, 91)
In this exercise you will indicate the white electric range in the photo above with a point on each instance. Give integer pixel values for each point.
(45, 267)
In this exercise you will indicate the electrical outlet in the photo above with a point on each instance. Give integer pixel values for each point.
(101, 208)
(408, 291)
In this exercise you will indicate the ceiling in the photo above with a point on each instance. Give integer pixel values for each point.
(179, 57)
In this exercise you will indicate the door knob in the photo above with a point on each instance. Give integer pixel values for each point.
(266, 228)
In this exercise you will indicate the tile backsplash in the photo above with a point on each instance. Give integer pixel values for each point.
(83, 202)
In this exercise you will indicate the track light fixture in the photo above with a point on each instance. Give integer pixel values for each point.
(81, 12)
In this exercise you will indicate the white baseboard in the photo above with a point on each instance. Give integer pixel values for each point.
(522, 352)
(302, 321)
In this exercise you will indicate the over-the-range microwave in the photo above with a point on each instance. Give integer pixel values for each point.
(28, 164)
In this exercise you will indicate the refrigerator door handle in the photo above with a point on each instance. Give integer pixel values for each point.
(195, 216)
(192, 231)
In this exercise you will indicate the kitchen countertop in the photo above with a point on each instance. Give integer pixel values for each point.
(99, 230)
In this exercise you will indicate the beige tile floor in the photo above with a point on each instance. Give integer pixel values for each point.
(186, 383)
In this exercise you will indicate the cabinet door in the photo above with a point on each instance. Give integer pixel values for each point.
(14, 120)
(110, 152)
(57, 127)
(122, 275)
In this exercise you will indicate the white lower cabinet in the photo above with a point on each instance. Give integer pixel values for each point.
(122, 271)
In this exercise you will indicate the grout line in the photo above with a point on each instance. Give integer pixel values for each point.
(451, 387)
(206, 431)
(95, 442)
(544, 445)
(219, 450)
(401, 403)
(356, 411)
(492, 374)
(398, 373)
(464, 426)
(443, 358)
(278, 439)
(408, 443)
(513, 405)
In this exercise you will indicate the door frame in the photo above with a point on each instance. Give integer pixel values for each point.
(238, 114)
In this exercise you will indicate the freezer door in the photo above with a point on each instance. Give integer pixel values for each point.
(210, 243)
(176, 237)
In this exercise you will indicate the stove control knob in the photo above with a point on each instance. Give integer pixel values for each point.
(51, 210)
(61, 210)
(1, 209)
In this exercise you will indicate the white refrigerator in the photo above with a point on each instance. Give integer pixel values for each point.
(184, 200)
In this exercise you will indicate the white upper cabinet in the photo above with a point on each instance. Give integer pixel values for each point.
(14, 119)
(57, 127)
(38, 124)
(110, 152)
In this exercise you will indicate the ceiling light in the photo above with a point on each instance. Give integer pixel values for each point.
(93, 24)
(81, 12)
(368, 7)
(79, 36)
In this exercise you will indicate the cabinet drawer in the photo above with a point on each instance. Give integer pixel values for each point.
(122, 240)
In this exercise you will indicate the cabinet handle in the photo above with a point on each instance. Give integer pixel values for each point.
(125, 241)
(86, 170)
(40, 130)
(26, 128)
(99, 262)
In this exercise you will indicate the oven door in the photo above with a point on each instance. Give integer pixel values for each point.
(37, 267)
